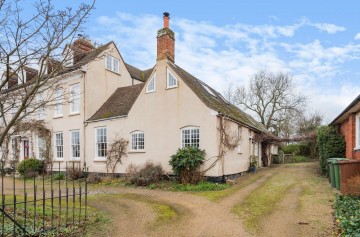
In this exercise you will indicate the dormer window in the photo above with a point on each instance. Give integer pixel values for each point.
(151, 85)
(171, 81)
(112, 63)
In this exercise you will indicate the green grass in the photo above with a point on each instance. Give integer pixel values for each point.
(200, 187)
(45, 213)
(300, 159)
(263, 200)
(242, 182)
(164, 212)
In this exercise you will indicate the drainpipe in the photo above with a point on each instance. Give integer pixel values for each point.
(84, 115)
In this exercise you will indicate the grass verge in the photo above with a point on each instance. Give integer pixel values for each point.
(263, 200)
(242, 182)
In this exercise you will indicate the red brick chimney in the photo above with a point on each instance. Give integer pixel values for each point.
(80, 47)
(166, 41)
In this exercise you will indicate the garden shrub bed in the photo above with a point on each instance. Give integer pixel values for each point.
(347, 214)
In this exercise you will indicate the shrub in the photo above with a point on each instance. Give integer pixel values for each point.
(299, 159)
(297, 149)
(58, 176)
(74, 172)
(330, 145)
(31, 167)
(352, 186)
(186, 163)
(347, 214)
(146, 175)
(93, 178)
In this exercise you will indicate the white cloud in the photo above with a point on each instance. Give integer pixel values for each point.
(357, 36)
(329, 28)
(219, 55)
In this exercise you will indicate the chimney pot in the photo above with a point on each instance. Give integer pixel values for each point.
(166, 19)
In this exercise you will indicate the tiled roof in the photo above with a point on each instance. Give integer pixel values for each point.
(137, 74)
(119, 103)
(215, 101)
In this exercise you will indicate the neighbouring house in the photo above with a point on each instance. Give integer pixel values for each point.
(348, 124)
(100, 98)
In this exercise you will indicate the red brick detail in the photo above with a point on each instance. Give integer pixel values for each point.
(348, 130)
(166, 45)
(166, 21)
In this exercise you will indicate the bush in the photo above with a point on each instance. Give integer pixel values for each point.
(347, 214)
(352, 186)
(58, 176)
(186, 163)
(146, 175)
(74, 172)
(300, 159)
(297, 149)
(330, 145)
(31, 167)
(93, 178)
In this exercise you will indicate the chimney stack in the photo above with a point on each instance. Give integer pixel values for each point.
(166, 41)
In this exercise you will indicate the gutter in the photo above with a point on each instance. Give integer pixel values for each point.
(236, 121)
(104, 119)
(352, 104)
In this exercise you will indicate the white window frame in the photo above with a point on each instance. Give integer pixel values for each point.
(99, 142)
(57, 145)
(192, 131)
(59, 100)
(75, 91)
(40, 112)
(40, 149)
(73, 145)
(112, 63)
(137, 135)
(357, 131)
(153, 82)
(168, 74)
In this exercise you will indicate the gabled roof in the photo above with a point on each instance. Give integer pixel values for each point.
(353, 107)
(215, 101)
(137, 74)
(119, 103)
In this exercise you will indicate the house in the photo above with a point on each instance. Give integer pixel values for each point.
(348, 124)
(101, 98)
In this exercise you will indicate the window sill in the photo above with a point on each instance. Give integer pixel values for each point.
(59, 159)
(75, 113)
(100, 159)
(58, 116)
(357, 149)
(139, 151)
(74, 160)
(173, 87)
(149, 92)
(117, 73)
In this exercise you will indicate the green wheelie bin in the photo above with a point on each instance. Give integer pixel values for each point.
(334, 172)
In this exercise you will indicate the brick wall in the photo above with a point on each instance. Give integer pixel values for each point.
(348, 130)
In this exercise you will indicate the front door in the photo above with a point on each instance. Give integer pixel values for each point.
(26, 149)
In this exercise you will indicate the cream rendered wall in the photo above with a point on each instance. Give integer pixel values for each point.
(237, 160)
(101, 83)
(160, 115)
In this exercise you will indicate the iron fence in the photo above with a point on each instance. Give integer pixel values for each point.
(33, 205)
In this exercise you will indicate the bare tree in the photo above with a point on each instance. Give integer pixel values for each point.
(30, 38)
(271, 97)
(116, 152)
(308, 123)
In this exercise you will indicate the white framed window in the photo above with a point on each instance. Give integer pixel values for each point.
(357, 131)
(75, 98)
(59, 145)
(171, 81)
(75, 144)
(151, 86)
(59, 100)
(101, 142)
(137, 141)
(190, 136)
(112, 64)
(40, 144)
(40, 113)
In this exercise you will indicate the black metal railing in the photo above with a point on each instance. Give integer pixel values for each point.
(32, 205)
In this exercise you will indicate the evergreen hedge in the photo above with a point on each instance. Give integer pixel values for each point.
(331, 145)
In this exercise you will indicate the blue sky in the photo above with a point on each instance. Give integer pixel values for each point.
(224, 42)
